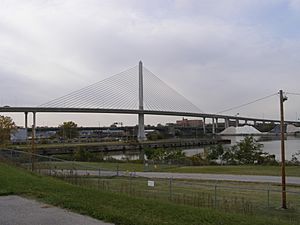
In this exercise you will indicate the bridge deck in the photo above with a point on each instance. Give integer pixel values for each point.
(135, 111)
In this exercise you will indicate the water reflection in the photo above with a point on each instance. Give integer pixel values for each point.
(270, 145)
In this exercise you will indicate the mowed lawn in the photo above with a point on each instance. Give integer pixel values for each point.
(117, 208)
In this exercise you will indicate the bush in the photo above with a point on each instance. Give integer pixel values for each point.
(247, 151)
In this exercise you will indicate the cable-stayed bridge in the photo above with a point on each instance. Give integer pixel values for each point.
(134, 91)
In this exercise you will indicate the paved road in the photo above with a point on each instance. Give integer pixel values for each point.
(15, 210)
(226, 177)
(192, 176)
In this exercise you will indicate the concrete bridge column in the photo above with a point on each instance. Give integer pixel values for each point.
(246, 122)
(141, 127)
(213, 126)
(203, 124)
(237, 122)
(217, 123)
(226, 123)
(254, 122)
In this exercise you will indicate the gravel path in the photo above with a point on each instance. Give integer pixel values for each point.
(15, 210)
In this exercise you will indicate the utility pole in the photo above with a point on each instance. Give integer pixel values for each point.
(33, 148)
(33, 136)
(283, 180)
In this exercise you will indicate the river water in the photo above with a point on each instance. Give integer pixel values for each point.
(270, 145)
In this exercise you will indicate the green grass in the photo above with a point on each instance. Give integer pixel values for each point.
(227, 194)
(117, 208)
(130, 167)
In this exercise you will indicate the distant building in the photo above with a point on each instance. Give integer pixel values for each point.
(189, 123)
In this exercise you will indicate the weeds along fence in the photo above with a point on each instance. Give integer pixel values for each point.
(51, 165)
(233, 197)
(239, 197)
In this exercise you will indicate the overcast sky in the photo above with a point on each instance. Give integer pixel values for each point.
(217, 53)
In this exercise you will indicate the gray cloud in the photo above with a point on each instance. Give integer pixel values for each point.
(217, 53)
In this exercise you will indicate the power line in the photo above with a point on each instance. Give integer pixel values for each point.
(246, 104)
(292, 93)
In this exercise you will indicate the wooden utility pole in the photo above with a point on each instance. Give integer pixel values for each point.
(32, 148)
(283, 183)
(33, 134)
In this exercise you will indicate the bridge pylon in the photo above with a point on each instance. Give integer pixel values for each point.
(141, 127)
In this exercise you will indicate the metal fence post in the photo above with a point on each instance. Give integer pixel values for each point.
(76, 182)
(130, 184)
(268, 196)
(99, 174)
(170, 189)
(215, 201)
(117, 169)
(50, 167)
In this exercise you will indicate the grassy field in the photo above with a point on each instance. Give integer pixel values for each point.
(228, 196)
(237, 170)
(131, 167)
(119, 208)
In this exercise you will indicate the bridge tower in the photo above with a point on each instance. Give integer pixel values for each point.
(141, 127)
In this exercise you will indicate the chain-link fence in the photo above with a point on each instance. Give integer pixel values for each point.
(53, 166)
(242, 197)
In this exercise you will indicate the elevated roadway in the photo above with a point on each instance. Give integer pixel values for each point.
(136, 111)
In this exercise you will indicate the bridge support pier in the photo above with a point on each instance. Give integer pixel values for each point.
(237, 122)
(203, 126)
(226, 123)
(213, 126)
(141, 128)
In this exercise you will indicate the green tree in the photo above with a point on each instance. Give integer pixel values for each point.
(160, 154)
(84, 155)
(7, 126)
(249, 151)
(215, 152)
(296, 158)
(68, 130)
(229, 155)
